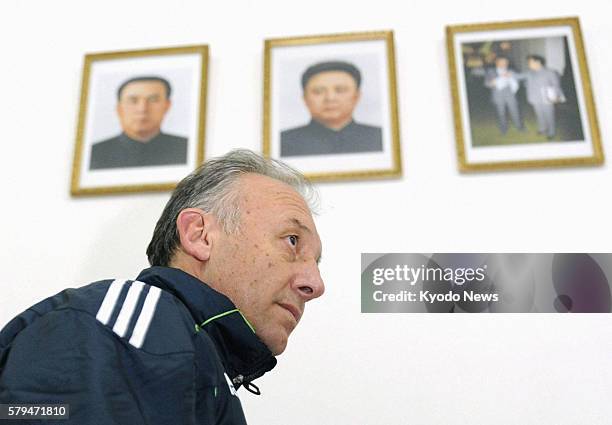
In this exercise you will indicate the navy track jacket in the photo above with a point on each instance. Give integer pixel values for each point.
(162, 349)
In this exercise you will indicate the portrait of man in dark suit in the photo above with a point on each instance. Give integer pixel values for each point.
(331, 91)
(142, 104)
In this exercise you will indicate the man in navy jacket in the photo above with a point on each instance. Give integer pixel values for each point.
(167, 347)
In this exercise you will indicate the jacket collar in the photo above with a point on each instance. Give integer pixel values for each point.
(244, 355)
(322, 127)
(127, 139)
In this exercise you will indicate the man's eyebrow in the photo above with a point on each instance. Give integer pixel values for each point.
(302, 226)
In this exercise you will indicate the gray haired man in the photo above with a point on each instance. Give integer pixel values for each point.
(234, 260)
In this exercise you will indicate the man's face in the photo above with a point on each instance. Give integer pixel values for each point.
(534, 65)
(141, 109)
(269, 268)
(501, 63)
(331, 97)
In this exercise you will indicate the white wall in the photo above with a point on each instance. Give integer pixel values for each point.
(342, 367)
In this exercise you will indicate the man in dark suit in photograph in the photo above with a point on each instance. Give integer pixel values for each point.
(331, 93)
(142, 103)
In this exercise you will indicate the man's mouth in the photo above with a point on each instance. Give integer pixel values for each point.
(297, 314)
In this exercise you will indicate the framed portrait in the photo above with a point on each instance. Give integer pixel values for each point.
(330, 105)
(522, 95)
(141, 120)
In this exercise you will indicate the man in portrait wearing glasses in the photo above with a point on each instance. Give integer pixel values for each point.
(142, 104)
(331, 91)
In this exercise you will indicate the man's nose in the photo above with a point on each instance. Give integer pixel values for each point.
(309, 283)
(330, 95)
(142, 105)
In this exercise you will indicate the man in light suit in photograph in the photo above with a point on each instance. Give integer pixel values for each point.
(503, 84)
(543, 92)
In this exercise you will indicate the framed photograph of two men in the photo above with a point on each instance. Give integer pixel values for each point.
(330, 105)
(522, 95)
(141, 120)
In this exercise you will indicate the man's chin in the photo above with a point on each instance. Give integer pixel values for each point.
(276, 343)
(333, 118)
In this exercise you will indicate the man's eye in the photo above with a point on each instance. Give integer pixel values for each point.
(293, 240)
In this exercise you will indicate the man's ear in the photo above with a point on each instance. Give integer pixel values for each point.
(195, 229)
(168, 105)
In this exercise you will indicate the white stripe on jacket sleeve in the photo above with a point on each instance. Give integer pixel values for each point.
(127, 309)
(145, 318)
(110, 299)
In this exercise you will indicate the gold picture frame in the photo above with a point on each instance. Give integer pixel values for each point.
(108, 158)
(487, 51)
(380, 109)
